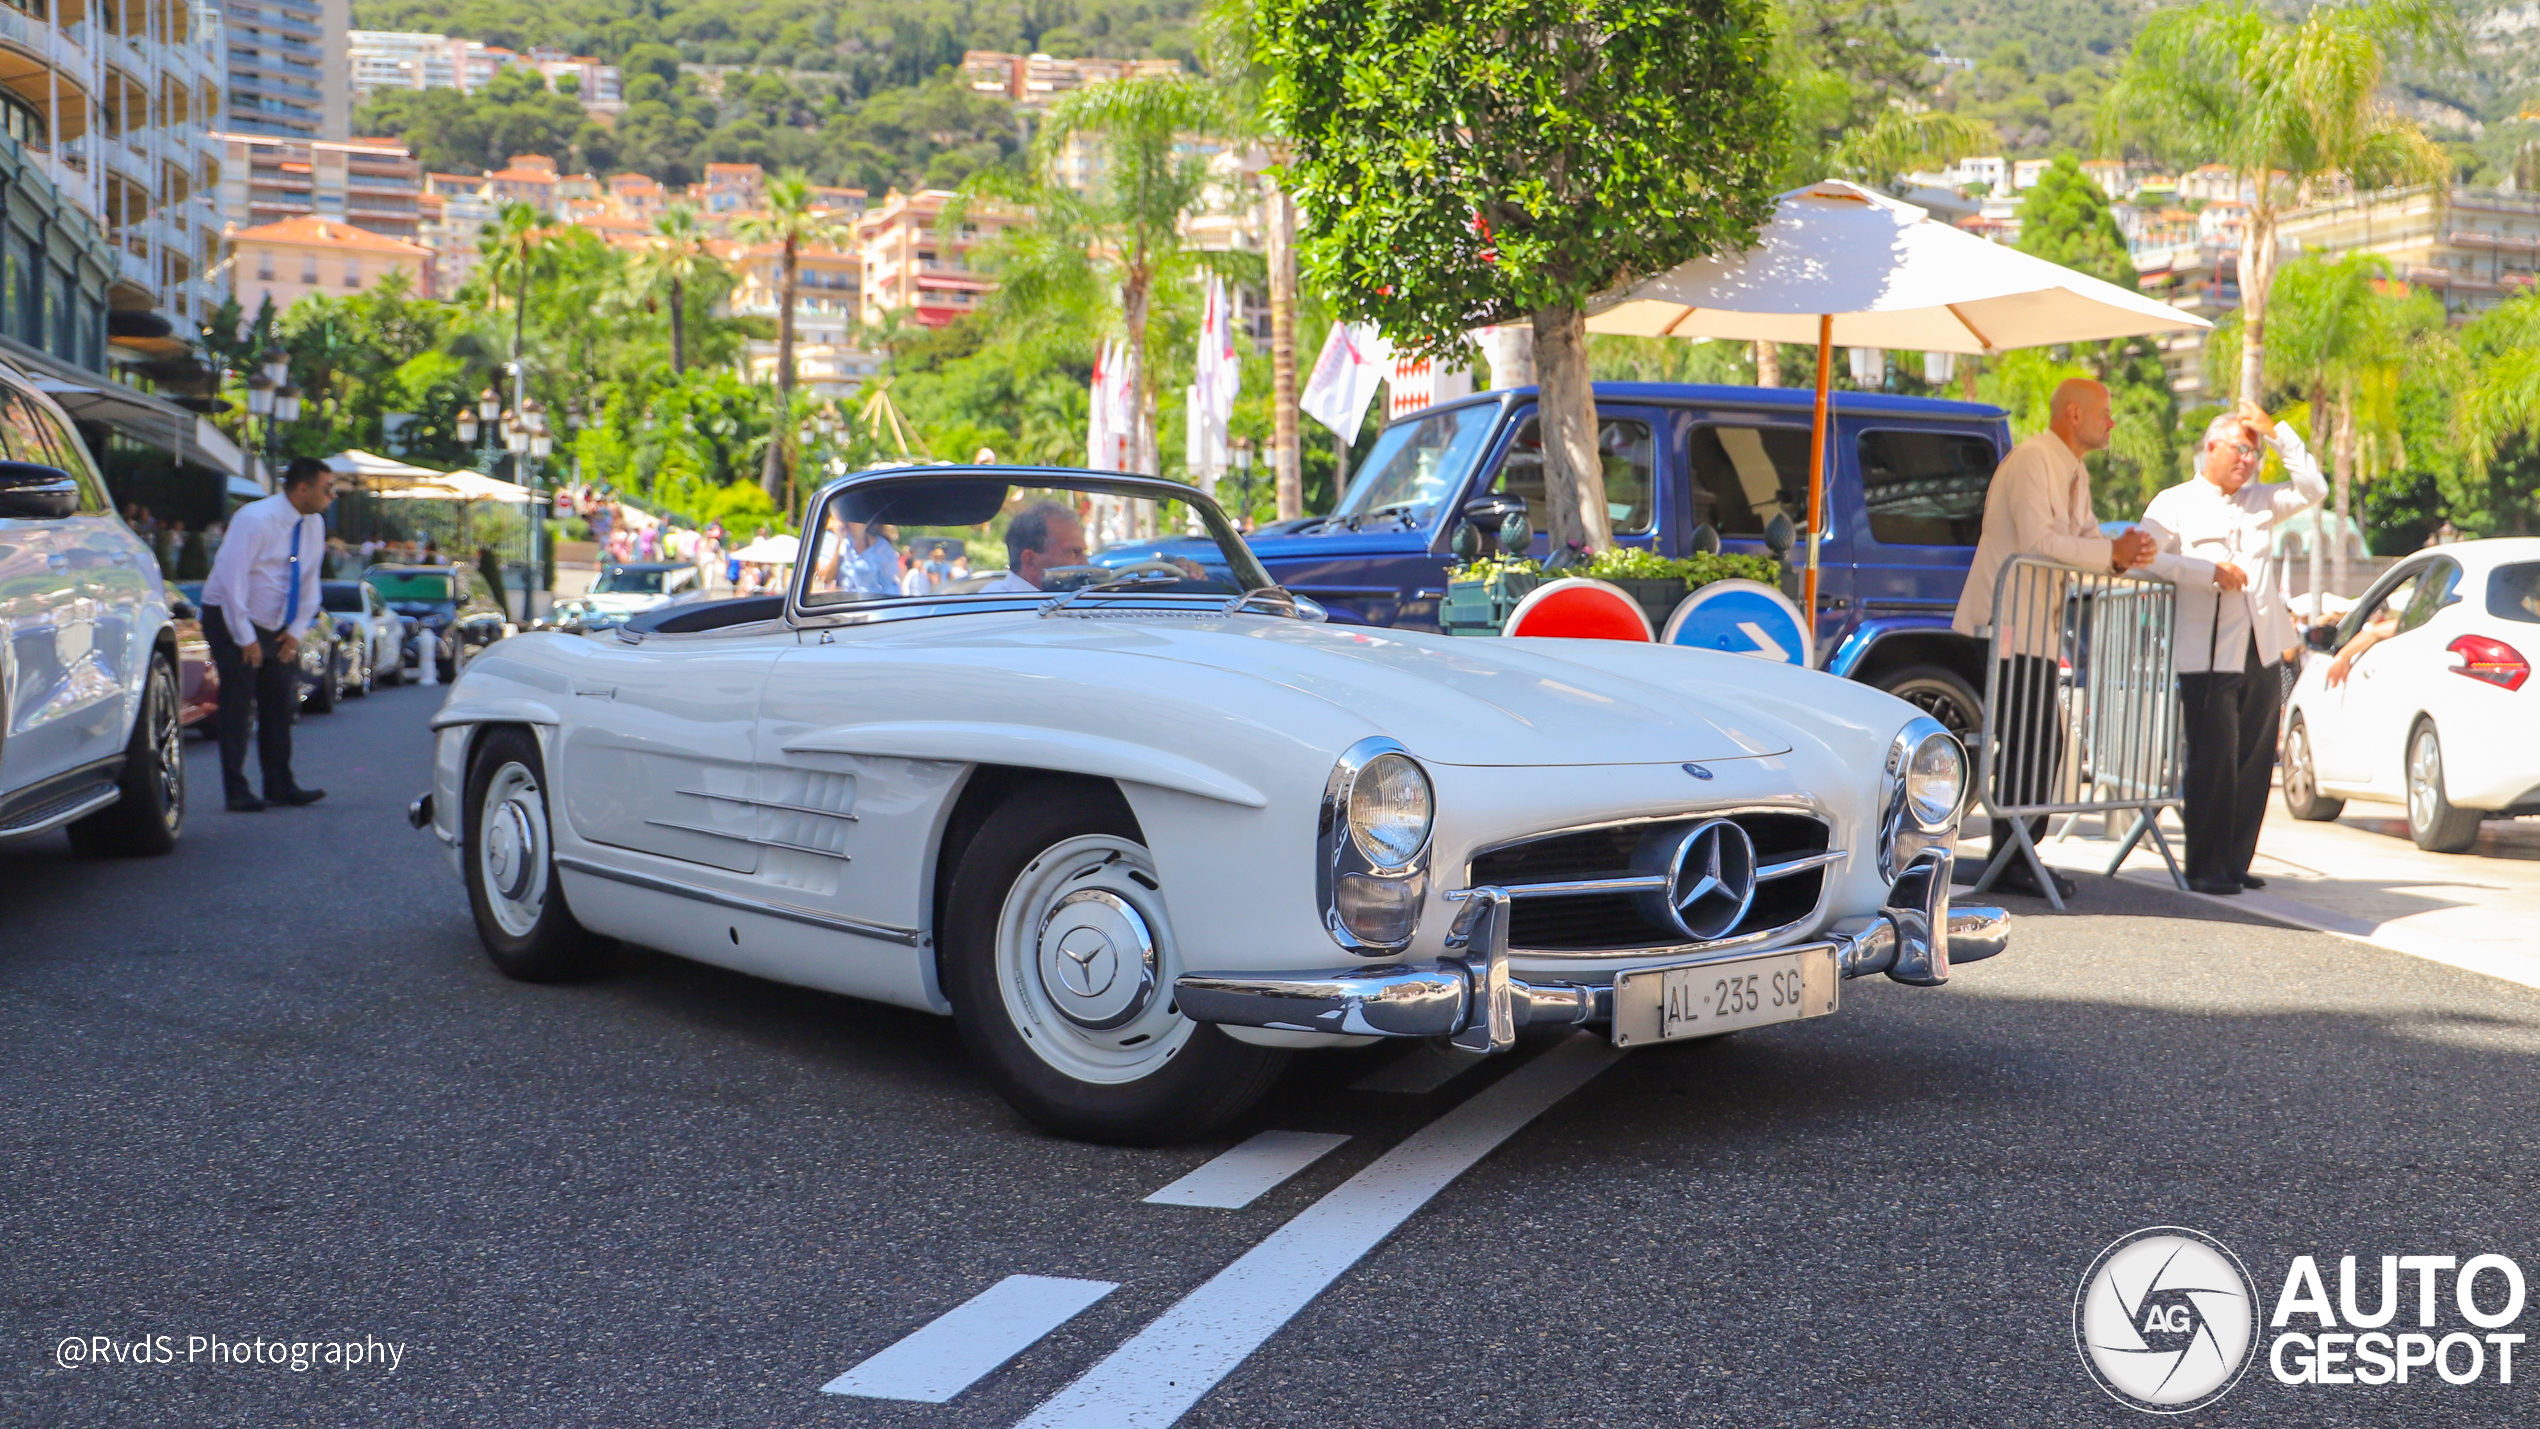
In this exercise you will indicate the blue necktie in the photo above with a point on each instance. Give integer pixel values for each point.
(291, 605)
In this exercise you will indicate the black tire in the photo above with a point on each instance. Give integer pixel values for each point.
(1172, 1084)
(524, 923)
(1940, 692)
(2436, 826)
(322, 699)
(149, 813)
(2302, 796)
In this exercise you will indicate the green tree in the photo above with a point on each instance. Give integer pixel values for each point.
(675, 262)
(790, 224)
(1111, 253)
(1483, 161)
(2282, 104)
(2497, 412)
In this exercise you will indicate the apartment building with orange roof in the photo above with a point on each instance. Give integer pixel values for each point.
(298, 257)
(909, 265)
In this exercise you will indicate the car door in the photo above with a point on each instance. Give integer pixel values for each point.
(656, 751)
(2332, 716)
(2394, 679)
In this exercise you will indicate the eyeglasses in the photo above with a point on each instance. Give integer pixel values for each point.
(2243, 448)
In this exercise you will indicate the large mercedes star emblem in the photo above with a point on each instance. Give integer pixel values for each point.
(1087, 964)
(1710, 879)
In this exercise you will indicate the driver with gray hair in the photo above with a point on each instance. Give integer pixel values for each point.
(1042, 537)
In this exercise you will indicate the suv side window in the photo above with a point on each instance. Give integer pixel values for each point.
(1743, 477)
(1925, 488)
(1623, 446)
(43, 438)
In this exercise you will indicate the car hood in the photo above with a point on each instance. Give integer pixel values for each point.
(1479, 702)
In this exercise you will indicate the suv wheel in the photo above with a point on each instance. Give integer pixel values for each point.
(1940, 692)
(151, 810)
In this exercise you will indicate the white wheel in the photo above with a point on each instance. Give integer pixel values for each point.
(1085, 961)
(511, 849)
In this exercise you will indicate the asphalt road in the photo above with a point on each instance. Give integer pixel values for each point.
(268, 1086)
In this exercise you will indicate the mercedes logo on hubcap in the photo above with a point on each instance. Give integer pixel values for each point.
(1086, 963)
(1710, 872)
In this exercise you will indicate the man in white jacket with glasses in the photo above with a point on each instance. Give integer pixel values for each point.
(2213, 536)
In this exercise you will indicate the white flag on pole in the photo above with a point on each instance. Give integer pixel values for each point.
(1355, 358)
(1215, 380)
(1107, 417)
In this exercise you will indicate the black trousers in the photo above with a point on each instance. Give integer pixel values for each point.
(2231, 719)
(2028, 741)
(267, 696)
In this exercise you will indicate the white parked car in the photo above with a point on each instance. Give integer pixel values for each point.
(374, 636)
(1143, 826)
(626, 589)
(2442, 714)
(90, 703)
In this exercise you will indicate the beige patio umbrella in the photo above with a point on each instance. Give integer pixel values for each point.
(1843, 266)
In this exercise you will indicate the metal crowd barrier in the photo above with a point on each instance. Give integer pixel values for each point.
(2081, 710)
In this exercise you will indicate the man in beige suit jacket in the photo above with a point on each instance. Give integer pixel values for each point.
(2039, 505)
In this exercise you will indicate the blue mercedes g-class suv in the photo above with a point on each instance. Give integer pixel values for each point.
(1905, 503)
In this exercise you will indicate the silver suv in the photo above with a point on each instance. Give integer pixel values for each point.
(88, 661)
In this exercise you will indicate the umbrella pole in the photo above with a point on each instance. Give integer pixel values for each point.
(1817, 477)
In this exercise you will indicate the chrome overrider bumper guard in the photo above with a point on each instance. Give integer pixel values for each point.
(1473, 999)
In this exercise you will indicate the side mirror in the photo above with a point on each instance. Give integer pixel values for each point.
(2322, 638)
(30, 491)
(1491, 508)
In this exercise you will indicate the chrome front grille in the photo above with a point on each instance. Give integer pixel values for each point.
(1594, 921)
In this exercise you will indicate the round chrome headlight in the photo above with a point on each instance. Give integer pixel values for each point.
(1935, 779)
(1389, 810)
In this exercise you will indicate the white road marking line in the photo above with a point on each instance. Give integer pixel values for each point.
(1169, 1366)
(1420, 1071)
(1244, 1174)
(962, 1345)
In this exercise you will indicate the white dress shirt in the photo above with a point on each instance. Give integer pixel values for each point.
(252, 572)
(2196, 528)
(1009, 584)
(2038, 505)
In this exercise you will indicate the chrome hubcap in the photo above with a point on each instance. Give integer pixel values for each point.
(2297, 764)
(1085, 961)
(511, 849)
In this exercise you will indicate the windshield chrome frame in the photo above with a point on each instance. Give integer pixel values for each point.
(799, 615)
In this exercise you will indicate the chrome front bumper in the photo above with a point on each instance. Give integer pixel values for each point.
(1473, 999)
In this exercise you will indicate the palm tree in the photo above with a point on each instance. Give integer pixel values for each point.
(1237, 65)
(677, 261)
(1121, 243)
(790, 225)
(2283, 105)
(510, 245)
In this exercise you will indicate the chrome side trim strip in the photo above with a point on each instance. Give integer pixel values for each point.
(767, 804)
(908, 937)
(748, 839)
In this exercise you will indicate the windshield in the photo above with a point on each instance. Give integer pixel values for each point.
(342, 597)
(1415, 465)
(410, 586)
(973, 534)
(639, 580)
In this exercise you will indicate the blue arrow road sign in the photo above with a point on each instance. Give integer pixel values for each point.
(1741, 617)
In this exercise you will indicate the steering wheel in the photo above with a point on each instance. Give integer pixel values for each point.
(1167, 569)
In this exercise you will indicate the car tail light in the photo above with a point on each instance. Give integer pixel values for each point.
(2491, 660)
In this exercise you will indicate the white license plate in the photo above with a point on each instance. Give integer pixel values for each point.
(1706, 999)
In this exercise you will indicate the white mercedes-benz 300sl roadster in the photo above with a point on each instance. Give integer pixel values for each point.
(1142, 824)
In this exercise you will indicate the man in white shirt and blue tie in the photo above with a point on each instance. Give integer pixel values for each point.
(262, 594)
(2214, 537)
